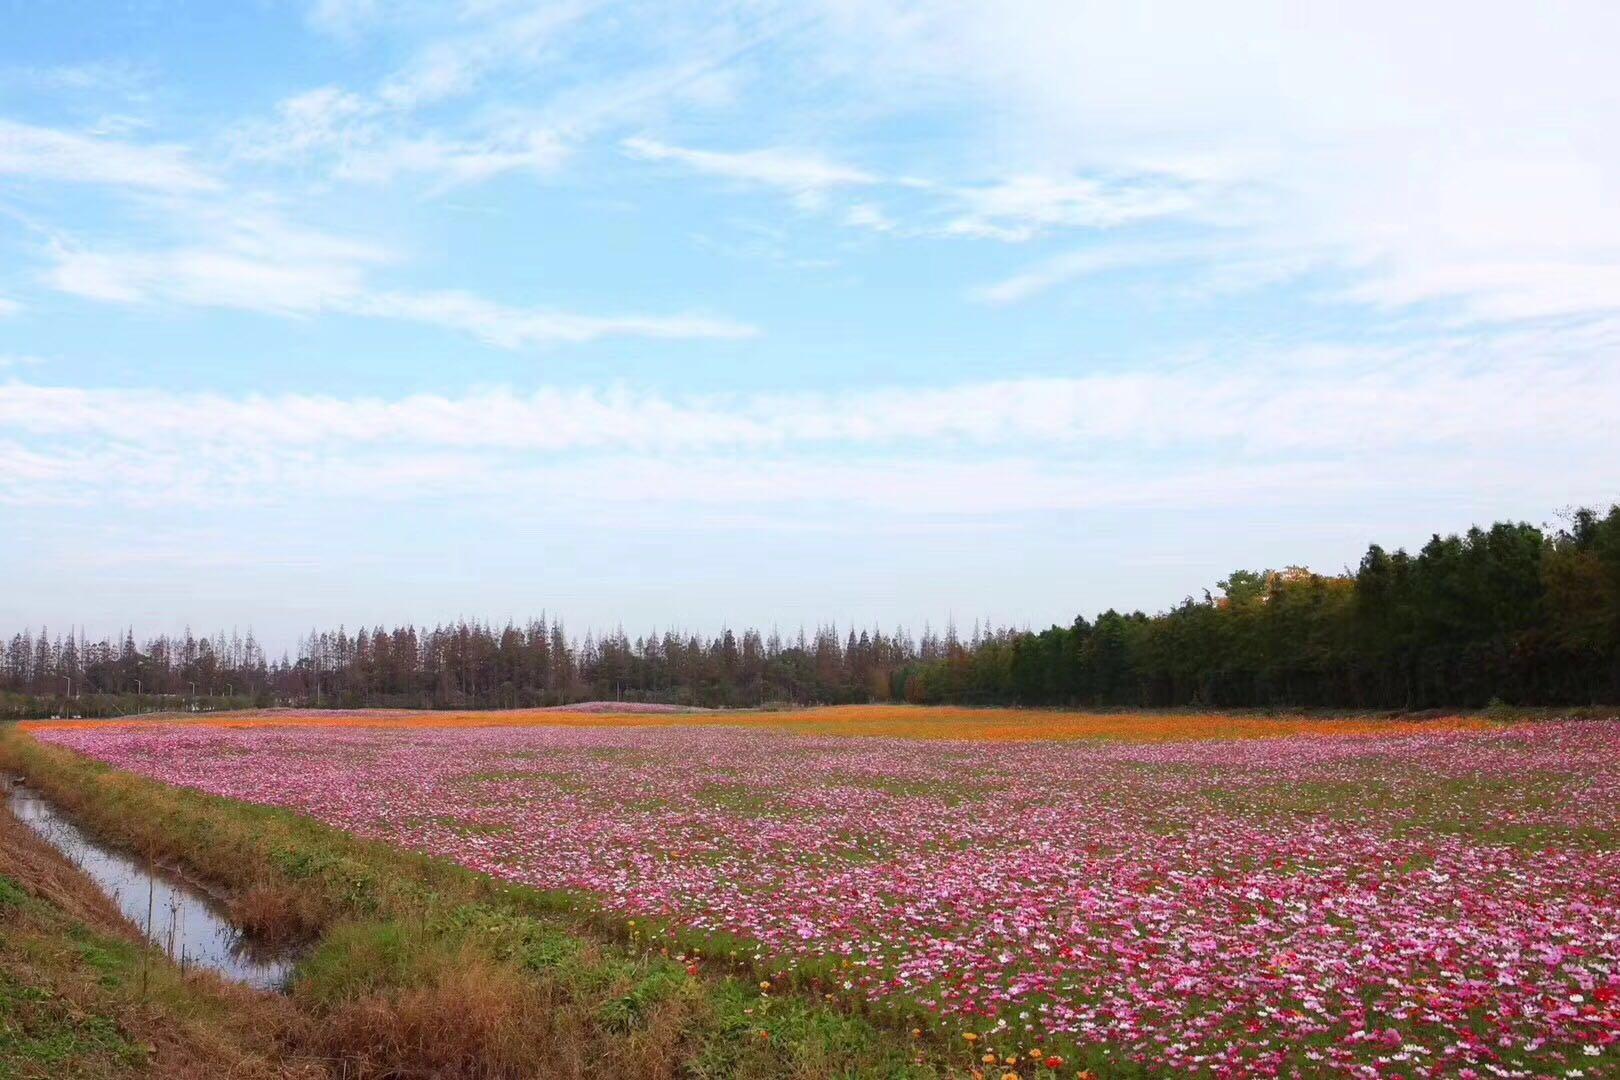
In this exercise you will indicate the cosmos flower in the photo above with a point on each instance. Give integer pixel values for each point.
(1432, 901)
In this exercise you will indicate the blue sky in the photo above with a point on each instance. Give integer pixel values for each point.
(728, 313)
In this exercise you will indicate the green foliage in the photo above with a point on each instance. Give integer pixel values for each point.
(1511, 615)
(41, 1036)
(11, 894)
(1513, 612)
(359, 958)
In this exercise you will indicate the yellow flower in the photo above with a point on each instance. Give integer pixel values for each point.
(970, 1037)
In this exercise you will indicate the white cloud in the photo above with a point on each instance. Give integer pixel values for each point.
(1457, 396)
(485, 43)
(376, 136)
(117, 473)
(1071, 265)
(362, 140)
(512, 327)
(455, 162)
(263, 264)
(9, 307)
(796, 171)
(1449, 153)
(1020, 207)
(1015, 208)
(66, 157)
(252, 260)
(314, 120)
(344, 18)
(870, 216)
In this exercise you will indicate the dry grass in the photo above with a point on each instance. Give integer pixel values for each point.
(479, 1020)
(90, 1002)
(890, 721)
(274, 912)
(474, 1021)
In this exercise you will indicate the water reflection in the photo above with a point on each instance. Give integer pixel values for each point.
(187, 924)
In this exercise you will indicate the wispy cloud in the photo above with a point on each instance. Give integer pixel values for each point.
(1337, 401)
(1405, 161)
(1013, 209)
(1207, 267)
(374, 136)
(44, 153)
(1338, 423)
(517, 327)
(361, 140)
(299, 274)
(1020, 207)
(796, 171)
(344, 18)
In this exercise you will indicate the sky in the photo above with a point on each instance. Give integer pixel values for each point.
(753, 313)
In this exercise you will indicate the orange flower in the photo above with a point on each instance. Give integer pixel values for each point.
(893, 721)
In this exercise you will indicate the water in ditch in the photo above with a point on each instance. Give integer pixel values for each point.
(190, 926)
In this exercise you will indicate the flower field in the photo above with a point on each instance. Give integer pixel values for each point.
(867, 721)
(1398, 900)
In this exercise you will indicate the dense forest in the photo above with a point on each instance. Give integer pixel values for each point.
(1512, 613)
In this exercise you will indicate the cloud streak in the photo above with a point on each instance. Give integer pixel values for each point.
(1453, 395)
(796, 171)
(258, 262)
(42, 153)
(1464, 163)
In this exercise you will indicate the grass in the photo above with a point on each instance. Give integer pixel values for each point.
(421, 968)
(80, 997)
(41, 1036)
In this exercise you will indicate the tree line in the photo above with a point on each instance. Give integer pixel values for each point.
(1512, 613)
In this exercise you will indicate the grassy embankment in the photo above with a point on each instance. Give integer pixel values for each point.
(80, 997)
(418, 967)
